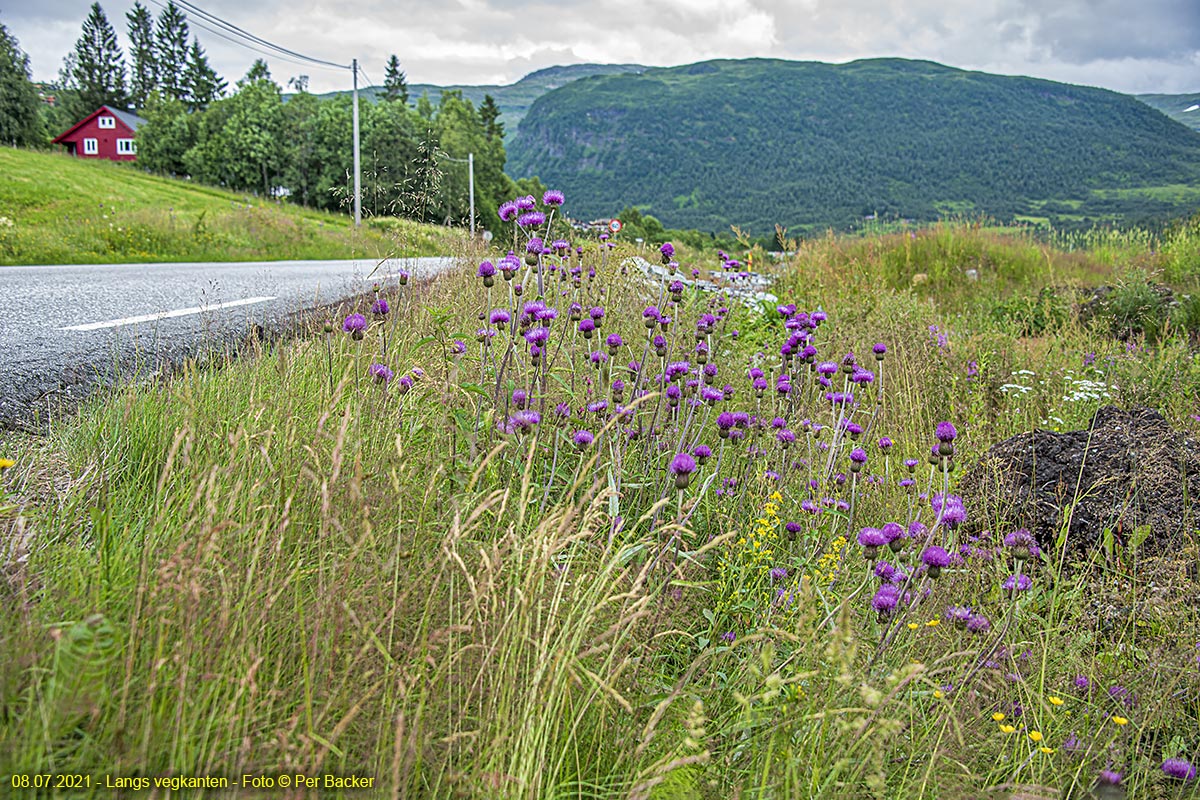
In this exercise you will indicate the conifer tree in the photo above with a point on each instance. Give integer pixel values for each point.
(395, 84)
(203, 84)
(171, 51)
(489, 112)
(99, 69)
(19, 105)
(143, 70)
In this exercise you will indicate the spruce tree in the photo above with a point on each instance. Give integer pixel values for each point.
(489, 112)
(171, 51)
(19, 104)
(395, 85)
(99, 70)
(143, 71)
(202, 82)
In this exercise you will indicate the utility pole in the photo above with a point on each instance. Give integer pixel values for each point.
(471, 178)
(470, 159)
(357, 170)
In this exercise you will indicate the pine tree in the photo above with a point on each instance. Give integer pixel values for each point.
(203, 84)
(171, 51)
(395, 85)
(19, 105)
(143, 71)
(99, 70)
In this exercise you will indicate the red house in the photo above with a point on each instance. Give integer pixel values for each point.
(105, 133)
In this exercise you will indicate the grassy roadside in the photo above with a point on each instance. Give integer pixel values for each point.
(291, 564)
(58, 209)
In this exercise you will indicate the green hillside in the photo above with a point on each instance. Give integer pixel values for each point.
(1176, 107)
(513, 99)
(56, 209)
(810, 145)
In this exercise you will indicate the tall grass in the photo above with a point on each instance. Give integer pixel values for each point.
(286, 566)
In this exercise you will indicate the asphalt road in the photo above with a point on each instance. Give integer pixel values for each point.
(67, 329)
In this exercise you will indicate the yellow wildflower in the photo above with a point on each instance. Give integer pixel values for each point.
(1046, 750)
(1035, 736)
(1007, 729)
(1055, 701)
(5, 463)
(933, 623)
(1120, 720)
(998, 717)
(938, 694)
(912, 626)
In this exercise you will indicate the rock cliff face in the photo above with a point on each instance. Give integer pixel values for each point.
(1129, 470)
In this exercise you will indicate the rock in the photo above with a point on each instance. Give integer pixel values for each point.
(1129, 470)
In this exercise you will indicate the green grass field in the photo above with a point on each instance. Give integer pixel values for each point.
(58, 209)
(487, 572)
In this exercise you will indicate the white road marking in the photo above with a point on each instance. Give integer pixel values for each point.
(179, 312)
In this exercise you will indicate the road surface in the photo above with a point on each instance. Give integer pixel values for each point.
(69, 328)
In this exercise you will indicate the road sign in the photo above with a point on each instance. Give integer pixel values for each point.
(615, 226)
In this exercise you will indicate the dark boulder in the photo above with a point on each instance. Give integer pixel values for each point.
(1129, 470)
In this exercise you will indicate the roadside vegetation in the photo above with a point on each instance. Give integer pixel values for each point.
(576, 533)
(55, 209)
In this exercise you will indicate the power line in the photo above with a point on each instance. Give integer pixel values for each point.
(249, 39)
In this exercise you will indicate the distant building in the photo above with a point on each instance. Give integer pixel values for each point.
(105, 133)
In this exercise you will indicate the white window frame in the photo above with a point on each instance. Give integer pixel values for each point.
(126, 147)
(107, 122)
(91, 147)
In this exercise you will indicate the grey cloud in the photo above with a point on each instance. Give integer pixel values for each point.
(1128, 45)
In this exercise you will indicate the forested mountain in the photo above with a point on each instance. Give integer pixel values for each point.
(513, 99)
(1183, 108)
(808, 145)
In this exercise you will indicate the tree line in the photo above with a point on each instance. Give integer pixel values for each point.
(252, 137)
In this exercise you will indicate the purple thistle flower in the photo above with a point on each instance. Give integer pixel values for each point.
(858, 456)
(534, 245)
(885, 444)
(582, 439)
(598, 406)
(936, 559)
(880, 350)
(1108, 777)
(380, 307)
(871, 540)
(563, 410)
(728, 637)
(458, 347)
(702, 453)
(959, 615)
(1016, 583)
(354, 325)
(405, 383)
(1179, 768)
(682, 466)
(487, 269)
(778, 573)
(827, 368)
(945, 432)
(499, 317)
(520, 398)
(1022, 544)
(381, 373)
(531, 219)
(977, 623)
(614, 341)
(667, 250)
(553, 198)
(525, 203)
(507, 211)
(886, 598)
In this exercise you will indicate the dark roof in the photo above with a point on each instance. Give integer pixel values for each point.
(128, 119)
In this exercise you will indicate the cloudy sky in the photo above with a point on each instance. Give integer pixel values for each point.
(1127, 45)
